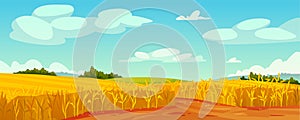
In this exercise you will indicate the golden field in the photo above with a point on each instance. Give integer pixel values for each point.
(50, 97)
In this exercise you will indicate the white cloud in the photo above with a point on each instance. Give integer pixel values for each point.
(256, 31)
(52, 24)
(194, 16)
(52, 12)
(133, 59)
(291, 65)
(164, 52)
(185, 58)
(68, 26)
(34, 27)
(200, 58)
(16, 66)
(292, 26)
(4, 68)
(112, 21)
(31, 64)
(234, 60)
(253, 24)
(142, 55)
(112, 18)
(274, 34)
(58, 67)
(167, 55)
(220, 34)
(182, 57)
(39, 29)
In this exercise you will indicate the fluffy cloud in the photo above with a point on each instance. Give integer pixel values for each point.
(15, 66)
(194, 16)
(68, 26)
(31, 64)
(33, 30)
(164, 52)
(182, 57)
(292, 26)
(167, 55)
(132, 60)
(112, 21)
(291, 65)
(253, 24)
(234, 60)
(187, 57)
(43, 26)
(112, 18)
(52, 12)
(200, 58)
(256, 31)
(220, 34)
(4, 67)
(142, 55)
(274, 34)
(52, 24)
(58, 67)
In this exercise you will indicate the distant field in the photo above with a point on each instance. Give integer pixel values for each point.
(32, 85)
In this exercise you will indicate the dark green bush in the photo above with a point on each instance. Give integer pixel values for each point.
(94, 73)
(36, 71)
(270, 77)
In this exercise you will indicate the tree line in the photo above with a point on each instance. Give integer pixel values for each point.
(94, 73)
(41, 71)
(269, 78)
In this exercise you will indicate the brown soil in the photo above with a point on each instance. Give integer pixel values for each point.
(219, 112)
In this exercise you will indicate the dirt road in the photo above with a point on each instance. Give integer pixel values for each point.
(219, 112)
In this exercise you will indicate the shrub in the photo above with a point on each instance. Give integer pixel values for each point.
(94, 73)
(265, 78)
(36, 71)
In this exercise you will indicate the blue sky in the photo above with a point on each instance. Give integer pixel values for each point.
(225, 14)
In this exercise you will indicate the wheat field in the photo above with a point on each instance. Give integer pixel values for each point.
(50, 97)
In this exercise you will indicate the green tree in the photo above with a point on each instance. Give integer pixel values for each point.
(292, 81)
(244, 78)
(94, 73)
(270, 77)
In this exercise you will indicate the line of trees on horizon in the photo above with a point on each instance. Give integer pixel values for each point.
(269, 78)
(94, 73)
(41, 71)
